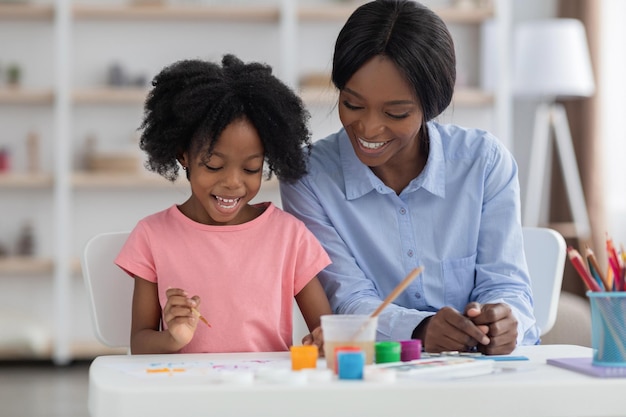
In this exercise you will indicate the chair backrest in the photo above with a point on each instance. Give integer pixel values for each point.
(545, 251)
(110, 290)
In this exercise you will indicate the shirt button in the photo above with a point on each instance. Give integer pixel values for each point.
(402, 210)
(410, 253)
(418, 295)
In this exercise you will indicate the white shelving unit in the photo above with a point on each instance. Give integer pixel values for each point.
(72, 101)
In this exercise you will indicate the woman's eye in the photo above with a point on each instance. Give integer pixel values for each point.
(398, 116)
(210, 168)
(253, 171)
(351, 106)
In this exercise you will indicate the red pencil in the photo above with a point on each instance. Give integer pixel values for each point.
(614, 263)
(577, 262)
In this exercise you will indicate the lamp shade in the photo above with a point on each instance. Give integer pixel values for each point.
(552, 60)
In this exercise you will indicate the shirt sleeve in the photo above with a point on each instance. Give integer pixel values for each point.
(136, 257)
(501, 270)
(348, 289)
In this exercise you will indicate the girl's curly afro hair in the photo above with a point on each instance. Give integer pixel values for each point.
(192, 102)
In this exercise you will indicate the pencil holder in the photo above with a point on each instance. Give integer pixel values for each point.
(608, 328)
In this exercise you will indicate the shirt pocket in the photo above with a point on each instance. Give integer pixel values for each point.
(459, 276)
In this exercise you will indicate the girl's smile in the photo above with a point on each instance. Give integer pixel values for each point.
(224, 182)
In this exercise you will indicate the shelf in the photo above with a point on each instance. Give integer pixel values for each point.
(124, 180)
(340, 13)
(462, 97)
(221, 13)
(25, 265)
(472, 97)
(106, 95)
(19, 95)
(26, 11)
(26, 180)
(258, 13)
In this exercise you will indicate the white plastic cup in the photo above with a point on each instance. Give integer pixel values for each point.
(348, 330)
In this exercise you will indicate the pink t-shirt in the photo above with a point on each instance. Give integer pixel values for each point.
(246, 275)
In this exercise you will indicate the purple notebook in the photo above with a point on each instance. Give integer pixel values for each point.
(584, 366)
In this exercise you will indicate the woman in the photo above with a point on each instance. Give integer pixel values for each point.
(394, 189)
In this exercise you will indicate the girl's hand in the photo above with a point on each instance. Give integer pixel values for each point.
(316, 337)
(178, 315)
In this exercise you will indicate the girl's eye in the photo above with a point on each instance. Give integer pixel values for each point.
(253, 171)
(210, 168)
(351, 106)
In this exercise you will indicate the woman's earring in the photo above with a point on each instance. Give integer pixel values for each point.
(184, 168)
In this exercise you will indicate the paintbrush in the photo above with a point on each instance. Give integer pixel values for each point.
(200, 316)
(396, 291)
(392, 296)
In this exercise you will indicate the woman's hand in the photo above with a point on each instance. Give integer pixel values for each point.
(449, 330)
(316, 337)
(179, 317)
(498, 323)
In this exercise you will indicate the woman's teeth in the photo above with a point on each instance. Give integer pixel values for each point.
(227, 203)
(371, 145)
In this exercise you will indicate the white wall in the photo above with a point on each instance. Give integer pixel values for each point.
(612, 89)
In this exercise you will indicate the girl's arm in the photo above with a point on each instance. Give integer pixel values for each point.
(313, 304)
(145, 333)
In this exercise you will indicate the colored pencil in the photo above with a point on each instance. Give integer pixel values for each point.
(577, 262)
(594, 268)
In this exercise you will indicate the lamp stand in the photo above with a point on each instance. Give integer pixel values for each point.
(552, 115)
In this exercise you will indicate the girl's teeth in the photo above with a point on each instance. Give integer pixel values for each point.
(371, 145)
(227, 202)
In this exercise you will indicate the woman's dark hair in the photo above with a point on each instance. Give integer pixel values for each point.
(411, 36)
(193, 101)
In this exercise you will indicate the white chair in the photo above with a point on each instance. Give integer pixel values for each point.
(545, 251)
(110, 292)
(110, 289)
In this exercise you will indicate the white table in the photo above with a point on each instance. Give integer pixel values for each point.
(120, 386)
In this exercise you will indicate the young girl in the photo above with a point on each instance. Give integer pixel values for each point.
(238, 265)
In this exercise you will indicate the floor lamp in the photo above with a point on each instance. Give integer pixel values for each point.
(552, 63)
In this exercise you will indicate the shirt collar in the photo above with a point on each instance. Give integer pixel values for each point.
(360, 180)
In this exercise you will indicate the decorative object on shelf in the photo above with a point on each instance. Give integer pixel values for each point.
(472, 4)
(119, 77)
(464, 4)
(116, 76)
(5, 160)
(26, 240)
(32, 153)
(14, 75)
(316, 79)
(117, 161)
(552, 63)
(148, 2)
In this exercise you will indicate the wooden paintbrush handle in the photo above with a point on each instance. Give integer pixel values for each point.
(396, 291)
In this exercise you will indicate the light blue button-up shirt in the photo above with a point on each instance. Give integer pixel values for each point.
(460, 219)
